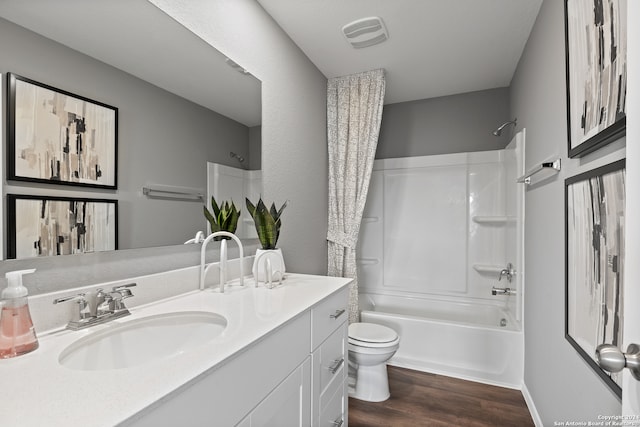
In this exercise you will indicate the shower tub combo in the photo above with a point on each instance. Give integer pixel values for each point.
(464, 340)
(436, 234)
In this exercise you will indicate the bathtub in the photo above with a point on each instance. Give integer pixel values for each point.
(473, 341)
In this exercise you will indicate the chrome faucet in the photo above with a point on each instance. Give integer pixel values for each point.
(106, 306)
(509, 272)
(84, 311)
(102, 303)
(223, 258)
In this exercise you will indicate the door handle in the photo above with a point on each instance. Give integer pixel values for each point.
(612, 359)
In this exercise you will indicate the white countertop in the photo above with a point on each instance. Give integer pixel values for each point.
(36, 390)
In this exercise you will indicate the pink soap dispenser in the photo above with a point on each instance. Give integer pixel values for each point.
(17, 335)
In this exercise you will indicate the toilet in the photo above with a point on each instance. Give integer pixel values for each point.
(370, 347)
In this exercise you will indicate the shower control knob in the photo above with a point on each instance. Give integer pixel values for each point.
(612, 359)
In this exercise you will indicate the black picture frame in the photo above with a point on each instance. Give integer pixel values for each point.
(57, 137)
(60, 225)
(596, 73)
(594, 263)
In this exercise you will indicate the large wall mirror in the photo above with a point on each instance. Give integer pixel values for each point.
(181, 104)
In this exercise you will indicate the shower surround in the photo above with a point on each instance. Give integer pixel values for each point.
(436, 233)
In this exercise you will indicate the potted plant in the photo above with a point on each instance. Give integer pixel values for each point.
(224, 217)
(268, 223)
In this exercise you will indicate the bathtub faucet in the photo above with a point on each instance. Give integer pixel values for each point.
(502, 291)
(509, 272)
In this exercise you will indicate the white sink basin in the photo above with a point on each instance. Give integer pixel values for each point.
(143, 340)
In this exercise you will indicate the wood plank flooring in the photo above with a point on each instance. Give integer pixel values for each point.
(423, 399)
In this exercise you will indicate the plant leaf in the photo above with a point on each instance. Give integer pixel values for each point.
(213, 225)
(208, 215)
(233, 219)
(277, 216)
(267, 227)
(224, 218)
(251, 208)
(214, 206)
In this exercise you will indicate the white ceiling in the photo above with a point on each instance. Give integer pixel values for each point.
(435, 47)
(136, 37)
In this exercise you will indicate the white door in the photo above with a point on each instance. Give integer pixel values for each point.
(631, 386)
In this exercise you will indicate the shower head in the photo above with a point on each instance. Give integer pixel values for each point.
(498, 131)
(237, 156)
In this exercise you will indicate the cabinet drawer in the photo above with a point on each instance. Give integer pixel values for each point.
(327, 316)
(331, 358)
(334, 413)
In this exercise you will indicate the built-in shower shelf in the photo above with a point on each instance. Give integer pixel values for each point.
(493, 219)
(488, 268)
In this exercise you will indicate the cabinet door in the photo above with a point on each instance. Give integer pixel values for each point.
(289, 404)
(334, 414)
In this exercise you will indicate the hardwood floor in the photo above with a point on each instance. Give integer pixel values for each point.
(423, 399)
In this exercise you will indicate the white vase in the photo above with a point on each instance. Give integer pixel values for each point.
(261, 266)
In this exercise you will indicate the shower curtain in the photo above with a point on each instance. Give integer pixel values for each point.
(354, 113)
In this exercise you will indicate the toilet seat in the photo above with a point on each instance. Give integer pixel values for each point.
(372, 335)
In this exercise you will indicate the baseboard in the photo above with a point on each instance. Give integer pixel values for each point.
(448, 372)
(532, 407)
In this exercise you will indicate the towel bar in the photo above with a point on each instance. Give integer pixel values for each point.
(526, 178)
(172, 192)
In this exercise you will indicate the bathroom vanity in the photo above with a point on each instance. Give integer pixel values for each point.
(279, 359)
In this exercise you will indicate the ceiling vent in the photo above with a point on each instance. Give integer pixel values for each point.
(365, 32)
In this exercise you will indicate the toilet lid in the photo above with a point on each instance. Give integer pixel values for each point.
(371, 332)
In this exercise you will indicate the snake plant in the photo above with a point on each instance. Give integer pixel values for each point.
(224, 217)
(267, 222)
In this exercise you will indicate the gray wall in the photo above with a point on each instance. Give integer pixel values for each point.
(294, 134)
(563, 387)
(163, 139)
(448, 124)
(255, 148)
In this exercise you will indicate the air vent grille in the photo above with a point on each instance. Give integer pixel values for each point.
(365, 32)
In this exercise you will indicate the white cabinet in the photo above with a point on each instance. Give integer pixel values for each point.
(224, 395)
(329, 360)
(293, 376)
(334, 413)
(285, 406)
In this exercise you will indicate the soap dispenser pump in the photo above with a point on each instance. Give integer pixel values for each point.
(17, 335)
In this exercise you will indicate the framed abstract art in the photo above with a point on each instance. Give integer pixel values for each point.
(48, 226)
(56, 137)
(596, 71)
(595, 262)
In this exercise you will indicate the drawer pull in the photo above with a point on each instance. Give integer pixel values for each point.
(337, 314)
(338, 422)
(336, 365)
